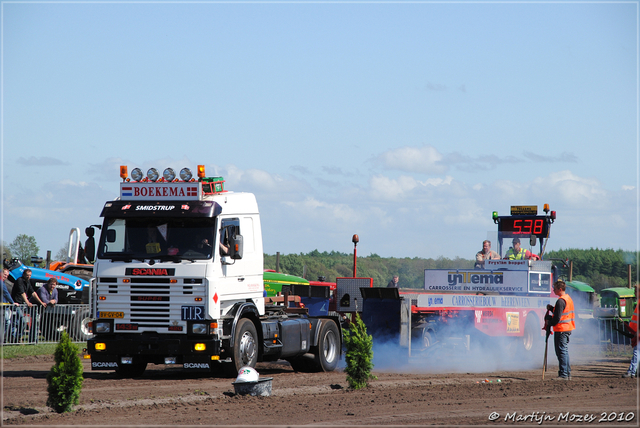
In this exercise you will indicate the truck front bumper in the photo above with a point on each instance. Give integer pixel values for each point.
(108, 352)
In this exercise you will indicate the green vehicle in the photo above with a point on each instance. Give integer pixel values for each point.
(273, 282)
(583, 296)
(616, 307)
(584, 300)
(316, 296)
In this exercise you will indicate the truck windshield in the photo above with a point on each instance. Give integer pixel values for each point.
(173, 239)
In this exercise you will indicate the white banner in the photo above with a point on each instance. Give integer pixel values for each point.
(453, 301)
(149, 191)
(502, 281)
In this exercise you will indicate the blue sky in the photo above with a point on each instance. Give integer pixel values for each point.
(406, 123)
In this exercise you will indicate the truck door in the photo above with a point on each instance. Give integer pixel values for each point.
(241, 278)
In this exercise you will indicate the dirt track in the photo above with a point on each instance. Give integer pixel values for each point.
(168, 397)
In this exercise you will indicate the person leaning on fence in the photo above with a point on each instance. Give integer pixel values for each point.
(6, 296)
(48, 293)
(7, 301)
(24, 294)
(632, 371)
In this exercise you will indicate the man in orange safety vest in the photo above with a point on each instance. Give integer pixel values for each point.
(633, 328)
(563, 323)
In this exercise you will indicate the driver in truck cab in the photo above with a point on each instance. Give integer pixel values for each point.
(518, 253)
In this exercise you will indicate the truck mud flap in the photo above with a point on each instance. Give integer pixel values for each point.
(381, 313)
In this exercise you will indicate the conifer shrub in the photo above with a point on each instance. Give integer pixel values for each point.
(359, 356)
(65, 377)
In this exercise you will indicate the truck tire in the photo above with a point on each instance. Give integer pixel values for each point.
(325, 356)
(327, 352)
(422, 338)
(131, 370)
(80, 331)
(245, 347)
(530, 339)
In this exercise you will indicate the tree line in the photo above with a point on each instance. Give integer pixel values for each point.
(600, 268)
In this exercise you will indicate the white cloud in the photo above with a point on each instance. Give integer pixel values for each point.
(572, 188)
(40, 161)
(260, 181)
(385, 188)
(314, 209)
(424, 160)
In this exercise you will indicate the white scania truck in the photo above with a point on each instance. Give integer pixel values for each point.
(178, 279)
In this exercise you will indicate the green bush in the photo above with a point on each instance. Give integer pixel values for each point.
(65, 378)
(359, 355)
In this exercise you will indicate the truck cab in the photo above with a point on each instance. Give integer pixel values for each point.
(179, 280)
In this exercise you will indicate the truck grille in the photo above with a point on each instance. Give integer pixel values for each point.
(149, 302)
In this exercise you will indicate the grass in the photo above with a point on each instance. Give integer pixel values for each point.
(17, 351)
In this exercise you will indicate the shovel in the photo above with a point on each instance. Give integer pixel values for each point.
(547, 328)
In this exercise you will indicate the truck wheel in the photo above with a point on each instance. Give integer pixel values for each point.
(422, 338)
(131, 370)
(245, 348)
(328, 351)
(531, 338)
(80, 331)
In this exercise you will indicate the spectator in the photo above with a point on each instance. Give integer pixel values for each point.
(394, 282)
(8, 329)
(48, 293)
(518, 253)
(23, 293)
(486, 254)
(563, 323)
(632, 371)
(6, 296)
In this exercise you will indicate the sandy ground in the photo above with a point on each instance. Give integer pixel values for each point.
(410, 395)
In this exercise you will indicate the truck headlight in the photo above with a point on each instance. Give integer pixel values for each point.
(103, 327)
(199, 328)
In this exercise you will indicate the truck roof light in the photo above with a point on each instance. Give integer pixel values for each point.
(136, 174)
(153, 175)
(200, 171)
(185, 174)
(169, 175)
(123, 172)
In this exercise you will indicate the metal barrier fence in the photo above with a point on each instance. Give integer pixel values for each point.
(23, 325)
(611, 337)
(28, 325)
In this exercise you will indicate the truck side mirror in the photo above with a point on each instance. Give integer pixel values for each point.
(235, 249)
(532, 240)
(111, 235)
